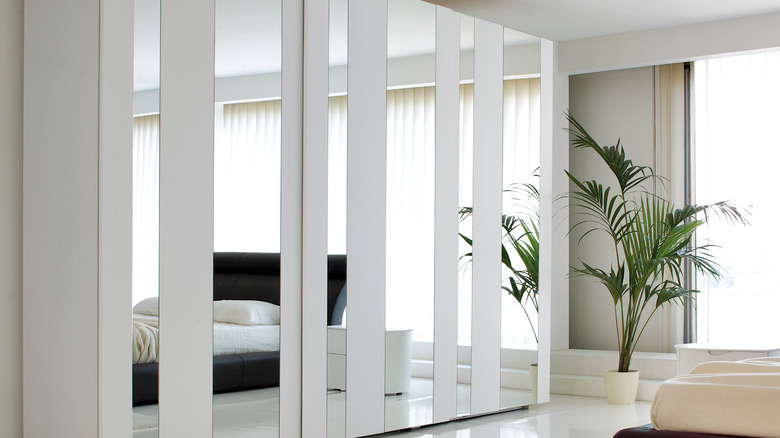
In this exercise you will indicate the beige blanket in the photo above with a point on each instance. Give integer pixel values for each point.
(146, 333)
(742, 404)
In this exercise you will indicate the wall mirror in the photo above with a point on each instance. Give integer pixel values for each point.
(337, 219)
(409, 313)
(409, 342)
(247, 149)
(146, 216)
(520, 210)
(247, 203)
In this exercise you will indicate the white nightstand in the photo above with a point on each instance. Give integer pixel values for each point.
(398, 359)
(690, 355)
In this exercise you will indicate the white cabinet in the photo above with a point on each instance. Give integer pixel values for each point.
(398, 359)
(690, 355)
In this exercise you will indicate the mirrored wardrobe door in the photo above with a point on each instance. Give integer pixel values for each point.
(247, 203)
(411, 115)
(146, 216)
(466, 202)
(336, 162)
(520, 220)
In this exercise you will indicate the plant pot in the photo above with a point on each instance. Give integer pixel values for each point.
(533, 373)
(621, 387)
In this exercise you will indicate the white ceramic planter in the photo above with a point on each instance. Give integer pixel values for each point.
(621, 387)
(533, 373)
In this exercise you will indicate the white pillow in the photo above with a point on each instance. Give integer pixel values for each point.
(149, 306)
(246, 312)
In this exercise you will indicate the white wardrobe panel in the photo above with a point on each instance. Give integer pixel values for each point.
(315, 222)
(366, 222)
(291, 217)
(115, 220)
(445, 345)
(486, 265)
(186, 217)
(60, 218)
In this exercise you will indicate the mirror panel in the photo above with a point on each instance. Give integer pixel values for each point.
(146, 211)
(247, 203)
(519, 302)
(411, 47)
(466, 199)
(337, 217)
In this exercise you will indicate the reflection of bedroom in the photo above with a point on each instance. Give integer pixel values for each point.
(99, 242)
(247, 201)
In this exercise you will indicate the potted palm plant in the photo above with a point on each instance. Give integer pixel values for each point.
(652, 242)
(520, 254)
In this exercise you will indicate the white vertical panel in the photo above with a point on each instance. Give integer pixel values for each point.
(60, 218)
(486, 265)
(366, 210)
(315, 222)
(445, 344)
(115, 221)
(553, 228)
(291, 212)
(186, 216)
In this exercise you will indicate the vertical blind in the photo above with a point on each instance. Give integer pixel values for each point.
(246, 192)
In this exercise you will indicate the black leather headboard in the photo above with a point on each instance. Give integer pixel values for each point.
(255, 276)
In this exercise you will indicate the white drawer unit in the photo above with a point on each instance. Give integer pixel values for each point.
(690, 355)
(398, 359)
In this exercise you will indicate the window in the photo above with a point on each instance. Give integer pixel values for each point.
(736, 149)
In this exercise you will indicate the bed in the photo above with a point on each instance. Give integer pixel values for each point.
(717, 399)
(245, 277)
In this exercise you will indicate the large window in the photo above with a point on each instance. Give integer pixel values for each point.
(736, 151)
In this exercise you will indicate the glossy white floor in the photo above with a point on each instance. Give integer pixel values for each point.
(255, 413)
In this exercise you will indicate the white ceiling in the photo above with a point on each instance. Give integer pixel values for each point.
(562, 20)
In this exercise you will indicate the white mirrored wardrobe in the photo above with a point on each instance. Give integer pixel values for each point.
(368, 152)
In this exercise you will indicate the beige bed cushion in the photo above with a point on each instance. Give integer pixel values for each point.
(741, 404)
(745, 366)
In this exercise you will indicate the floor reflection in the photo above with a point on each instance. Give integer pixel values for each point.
(255, 414)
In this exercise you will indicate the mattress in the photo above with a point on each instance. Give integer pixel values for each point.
(726, 403)
(228, 338)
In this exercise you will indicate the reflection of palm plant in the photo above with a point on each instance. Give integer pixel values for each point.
(521, 244)
(652, 240)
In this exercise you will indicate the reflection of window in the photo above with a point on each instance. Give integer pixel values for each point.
(736, 151)
(146, 206)
(247, 205)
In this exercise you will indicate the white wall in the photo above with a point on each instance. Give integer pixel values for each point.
(610, 105)
(11, 21)
(669, 45)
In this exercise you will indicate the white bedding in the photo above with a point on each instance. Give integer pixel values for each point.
(228, 338)
(723, 398)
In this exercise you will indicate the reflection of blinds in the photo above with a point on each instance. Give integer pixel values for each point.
(146, 203)
(247, 178)
(247, 192)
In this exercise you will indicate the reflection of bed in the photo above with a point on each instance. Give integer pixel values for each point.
(245, 276)
(725, 399)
